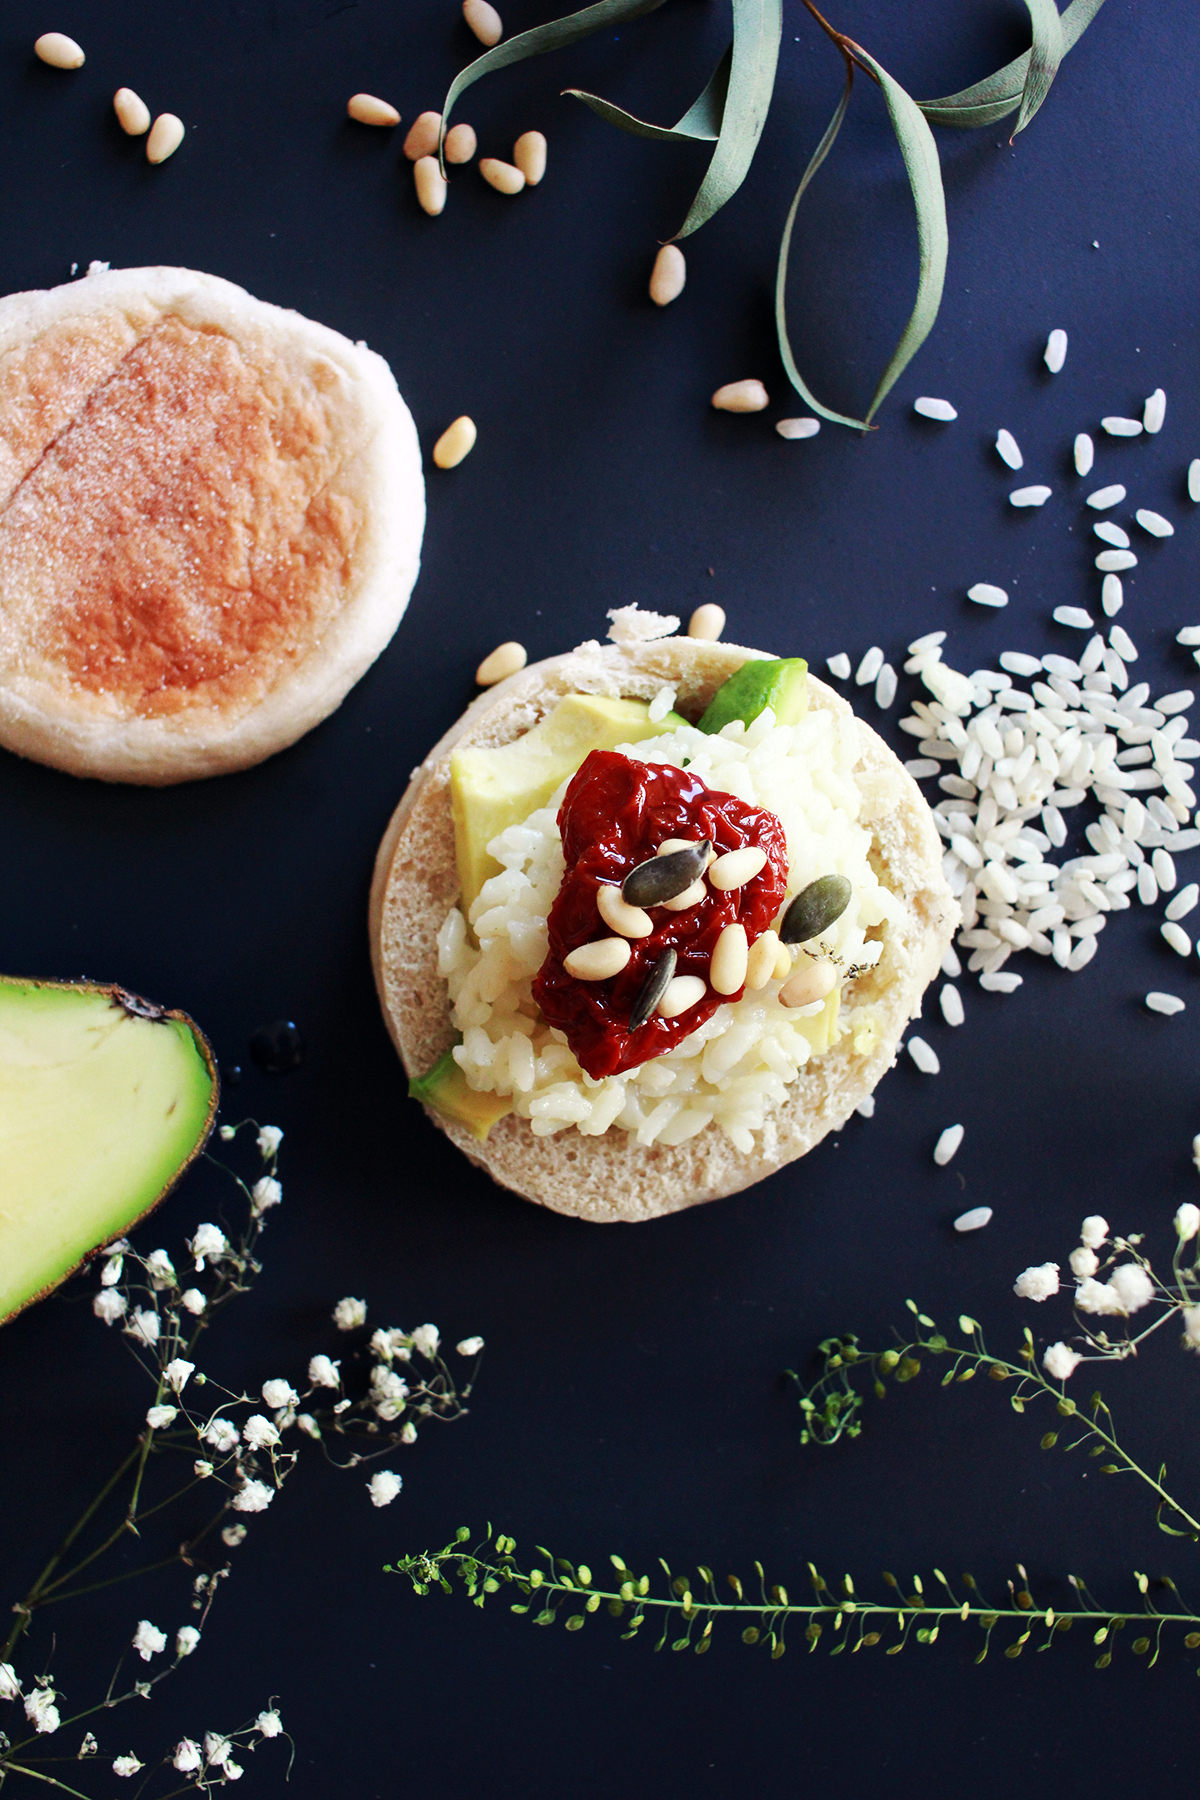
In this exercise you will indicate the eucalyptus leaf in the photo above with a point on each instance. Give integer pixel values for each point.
(1044, 57)
(997, 95)
(701, 123)
(757, 27)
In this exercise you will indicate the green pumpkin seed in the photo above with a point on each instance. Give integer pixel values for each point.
(653, 989)
(662, 878)
(815, 908)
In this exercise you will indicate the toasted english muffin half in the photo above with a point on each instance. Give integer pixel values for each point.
(611, 1177)
(211, 513)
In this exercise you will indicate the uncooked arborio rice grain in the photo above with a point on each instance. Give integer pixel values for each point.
(1167, 1004)
(924, 1056)
(977, 1217)
(943, 1150)
(839, 665)
(930, 408)
(869, 667)
(1009, 450)
(951, 1003)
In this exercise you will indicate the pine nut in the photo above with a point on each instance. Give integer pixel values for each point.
(501, 175)
(809, 984)
(707, 623)
(529, 154)
(423, 134)
(741, 397)
(669, 845)
(599, 961)
(736, 868)
(369, 110)
(727, 967)
(60, 51)
(457, 441)
(760, 964)
(668, 275)
(684, 992)
(690, 897)
(460, 144)
(783, 963)
(628, 921)
(166, 135)
(132, 112)
(484, 21)
(504, 660)
(430, 184)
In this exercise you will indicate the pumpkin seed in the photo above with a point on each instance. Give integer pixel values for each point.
(661, 878)
(653, 988)
(815, 908)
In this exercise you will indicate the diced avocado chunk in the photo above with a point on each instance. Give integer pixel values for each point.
(494, 788)
(782, 685)
(104, 1101)
(445, 1089)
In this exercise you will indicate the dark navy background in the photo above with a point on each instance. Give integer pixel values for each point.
(632, 1397)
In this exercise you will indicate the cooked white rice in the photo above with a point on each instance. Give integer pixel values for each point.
(738, 1065)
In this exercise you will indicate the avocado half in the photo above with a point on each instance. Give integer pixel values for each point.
(105, 1100)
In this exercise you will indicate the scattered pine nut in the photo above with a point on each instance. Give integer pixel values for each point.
(457, 441)
(529, 154)
(505, 660)
(430, 184)
(741, 397)
(60, 51)
(166, 135)
(684, 992)
(460, 144)
(707, 622)
(627, 921)
(423, 134)
(727, 965)
(760, 965)
(797, 428)
(598, 961)
(133, 115)
(668, 275)
(501, 175)
(369, 110)
(736, 868)
(809, 984)
(484, 21)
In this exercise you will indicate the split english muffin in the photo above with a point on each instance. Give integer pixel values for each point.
(211, 512)
(556, 1086)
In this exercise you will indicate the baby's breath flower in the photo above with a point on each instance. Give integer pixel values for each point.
(193, 1300)
(148, 1640)
(324, 1372)
(469, 1346)
(109, 1305)
(209, 1242)
(349, 1314)
(1061, 1361)
(279, 1393)
(227, 1133)
(187, 1756)
(426, 1339)
(144, 1327)
(127, 1765)
(1187, 1221)
(186, 1639)
(1191, 1329)
(1094, 1231)
(1037, 1283)
(233, 1535)
(10, 1687)
(1084, 1262)
(1133, 1286)
(1196, 1150)
(409, 1434)
(1097, 1297)
(89, 1746)
(232, 1771)
(308, 1425)
(177, 1372)
(202, 1469)
(254, 1497)
(160, 1269)
(222, 1434)
(269, 1723)
(383, 1487)
(259, 1433)
(269, 1139)
(265, 1194)
(389, 1391)
(159, 1417)
(391, 1343)
(41, 1711)
(110, 1274)
(216, 1749)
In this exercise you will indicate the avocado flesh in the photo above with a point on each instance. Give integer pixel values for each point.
(101, 1110)
(445, 1089)
(782, 685)
(491, 789)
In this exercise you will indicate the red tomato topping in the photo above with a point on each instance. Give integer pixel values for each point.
(614, 815)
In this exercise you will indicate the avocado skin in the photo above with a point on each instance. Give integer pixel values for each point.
(782, 685)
